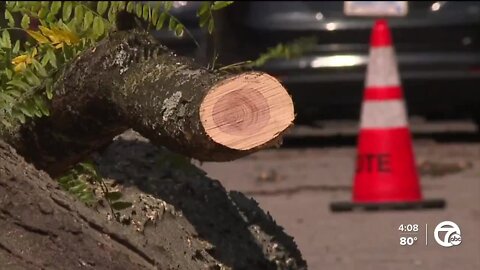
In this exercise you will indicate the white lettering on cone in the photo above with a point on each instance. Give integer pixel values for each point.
(383, 114)
(382, 68)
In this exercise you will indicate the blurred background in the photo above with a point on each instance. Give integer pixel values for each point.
(437, 46)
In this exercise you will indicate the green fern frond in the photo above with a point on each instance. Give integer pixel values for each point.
(289, 50)
(22, 94)
(205, 13)
(83, 179)
(76, 182)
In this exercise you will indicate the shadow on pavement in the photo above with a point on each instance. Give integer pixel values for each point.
(242, 235)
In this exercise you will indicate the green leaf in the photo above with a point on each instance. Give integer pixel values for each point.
(16, 48)
(154, 17)
(8, 71)
(6, 123)
(113, 196)
(221, 4)
(102, 6)
(32, 79)
(15, 93)
(67, 10)
(28, 111)
(172, 23)
(9, 17)
(138, 10)
(204, 8)
(49, 88)
(122, 5)
(67, 53)
(19, 84)
(87, 197)
(11, 4)
(39, 68)
(211, 25)
(52, 57)
(146, 12)
(87, 20)
(77, 188)
(121, 205)
(78, 13)
(19, 116)
(51, 17)
(25, 23)
(204, 20)
(35, 6)
(36, 110)
(64, 181)
(130, 6)
(179, 29)
(45, 59)
(43, 12)
(6, 42)
(161, 20)
(114, 5)
(168, 5)
(55, 7)
(42, 105)
(98, 27)
(112, 13)
(7, 98)
(88, 167)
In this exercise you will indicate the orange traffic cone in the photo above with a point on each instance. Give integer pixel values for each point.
(386, 175)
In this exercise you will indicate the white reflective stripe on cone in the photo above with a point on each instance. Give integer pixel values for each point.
(383, 114)
(382, 68)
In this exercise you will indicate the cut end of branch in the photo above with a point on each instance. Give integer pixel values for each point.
(246, 111)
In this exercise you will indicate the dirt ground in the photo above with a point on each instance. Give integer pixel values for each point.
(297, 183)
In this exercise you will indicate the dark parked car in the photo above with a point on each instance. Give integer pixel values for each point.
(437, 46)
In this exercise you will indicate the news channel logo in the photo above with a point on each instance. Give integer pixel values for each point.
(452, 235)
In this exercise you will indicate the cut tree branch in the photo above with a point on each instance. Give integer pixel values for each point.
(129, 80)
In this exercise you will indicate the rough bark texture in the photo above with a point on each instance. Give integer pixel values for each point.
(128, 80)
(180, 219)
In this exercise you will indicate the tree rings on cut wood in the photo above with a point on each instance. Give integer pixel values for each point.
(246, 111)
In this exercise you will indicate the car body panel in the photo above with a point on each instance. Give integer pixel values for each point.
(437, 47)
(437, 51)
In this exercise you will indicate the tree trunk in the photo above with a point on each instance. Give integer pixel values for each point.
(180, 219)
(130, 81)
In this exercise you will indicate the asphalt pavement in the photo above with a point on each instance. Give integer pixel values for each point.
(315, 167)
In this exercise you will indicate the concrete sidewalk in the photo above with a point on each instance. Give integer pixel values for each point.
(297, 185)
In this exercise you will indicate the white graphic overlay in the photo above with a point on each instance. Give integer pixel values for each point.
(452, 234)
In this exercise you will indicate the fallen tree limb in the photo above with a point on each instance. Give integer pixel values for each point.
(180, 220)
(130, 81)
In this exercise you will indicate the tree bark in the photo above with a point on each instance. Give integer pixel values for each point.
(129, 80)
(180, 220)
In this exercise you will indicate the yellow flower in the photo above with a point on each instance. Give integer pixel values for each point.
(38, 36)
(23, 60)
(56, 36)
(59, 36)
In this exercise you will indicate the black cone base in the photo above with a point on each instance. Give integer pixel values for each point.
(387, 206)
